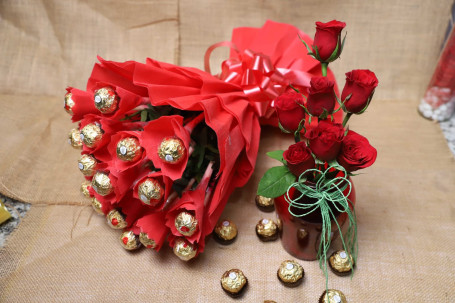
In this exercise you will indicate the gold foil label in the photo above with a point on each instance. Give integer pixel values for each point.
(333, 296)
(185, 223)
(233, 280)
(263, 201)
(226, 230)
(266, 228)
(106, 100)
(341, 261)
(171, 150)
(290, 271)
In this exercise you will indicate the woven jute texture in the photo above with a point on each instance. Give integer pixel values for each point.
(63, 251)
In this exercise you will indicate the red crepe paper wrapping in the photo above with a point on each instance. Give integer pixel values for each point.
(262, 63)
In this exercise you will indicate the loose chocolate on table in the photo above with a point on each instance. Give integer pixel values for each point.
(225, 232)
(267, 230)
(341, 263)
(234, 282)
(290, 273)
(333, 296)
(264, 203)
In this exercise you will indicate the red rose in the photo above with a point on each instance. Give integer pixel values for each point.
(289, 112)
(356, 152)
(325, 140)
(361, 84)
(327, 37)
(321, 96)
(298, 158)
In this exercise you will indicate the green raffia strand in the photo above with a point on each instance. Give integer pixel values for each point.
(327, 191)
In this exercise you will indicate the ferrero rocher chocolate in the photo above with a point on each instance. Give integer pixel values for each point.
(225, 232)
(74, 138)
(69, 103)
(267, 230)
(129, 240)
(116, 220)
(106, 100)
(186, 223)
(333, 296)
(91, 135)
(290, 273)
(184, 249)
(234, 282)
(264, 203)
(341, 263)
(146, 241)
(150, 191)
(84, 188)
(171, 150)
(129, 149)
(96, 204)
(102, 184)
(87, 165)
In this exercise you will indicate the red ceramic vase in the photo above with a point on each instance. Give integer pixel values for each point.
(301, 236)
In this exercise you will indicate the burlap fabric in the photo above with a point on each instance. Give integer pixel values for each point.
(62, 251)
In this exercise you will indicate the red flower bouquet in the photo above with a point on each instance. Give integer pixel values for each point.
(164, 146)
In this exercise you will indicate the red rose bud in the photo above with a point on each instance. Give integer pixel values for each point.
(356, 152)
(106, 100)
(360, 84)
(150, 191)
(326, 39)
(298, 158)
(321, 96)
(325, 140)
(289, 112)
(69, 103)
(129, 149)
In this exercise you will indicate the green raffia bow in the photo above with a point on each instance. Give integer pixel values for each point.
(326, 192)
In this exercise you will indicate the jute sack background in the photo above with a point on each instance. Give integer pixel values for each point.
(62, 251)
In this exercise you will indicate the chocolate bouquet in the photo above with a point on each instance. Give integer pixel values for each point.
(164, 146)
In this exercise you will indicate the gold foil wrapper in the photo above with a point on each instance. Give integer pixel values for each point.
(87, 165)
(233, 281)
(102, 184)
(226, 230)
(184, 250)
(341, 261)
(129, 240)
(150, 191)
(91, 135)
(129, 149)
(264, 202)
(146, 241)
(290, 272)
(74, 138)
(106, 100)
(69, 103)
(116, 220)
(171, 150)
(266, 228)
(4, 213)
(333, 296)
(84, 188)
(96, 204)
(186, 223)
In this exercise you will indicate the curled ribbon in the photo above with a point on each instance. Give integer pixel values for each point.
(254, 72)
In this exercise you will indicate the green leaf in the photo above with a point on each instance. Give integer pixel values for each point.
(144, 116)
(307, 47)
(342, 43)
(324, 114)
(277, 155)
(275, 182)
(334, 55)
(334, 163)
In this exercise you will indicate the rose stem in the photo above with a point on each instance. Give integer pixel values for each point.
(297, 136)
(324, 68)
(346, 119)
